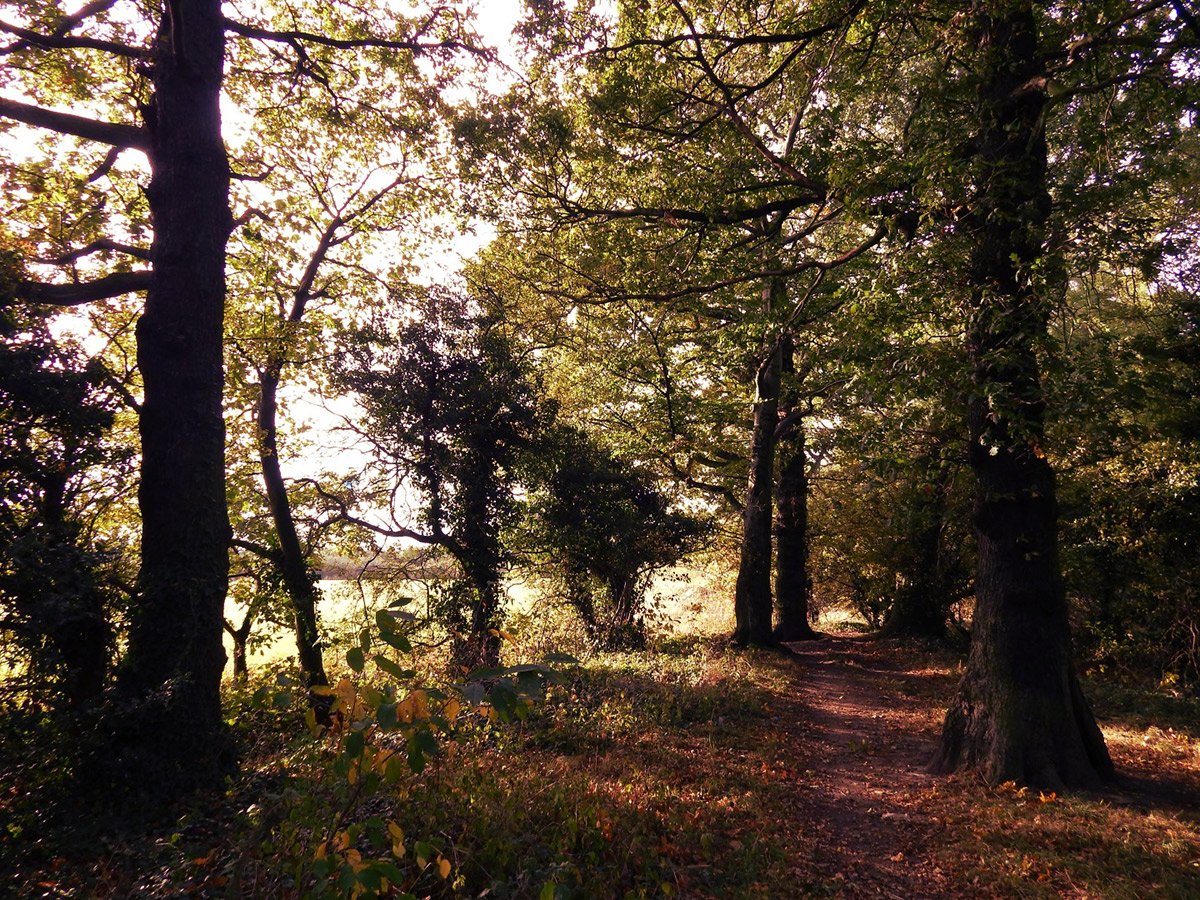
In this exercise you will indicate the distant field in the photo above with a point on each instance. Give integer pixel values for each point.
(685, 601)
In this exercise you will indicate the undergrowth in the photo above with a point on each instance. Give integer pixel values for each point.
(659, 773)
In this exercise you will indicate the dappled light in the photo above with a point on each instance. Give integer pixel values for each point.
(623, 449)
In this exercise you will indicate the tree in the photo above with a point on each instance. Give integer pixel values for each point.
(1020, 714)
(449, 406)
(167, 69)
(606, 529)
(692, 153)
(54, 597)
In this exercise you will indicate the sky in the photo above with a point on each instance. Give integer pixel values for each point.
(495, 20)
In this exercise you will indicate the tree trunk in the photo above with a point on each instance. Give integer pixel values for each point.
(241, 670)
(922, 607)
(625, 630)
(792, 585)
(172, 737)
(77, 626)
(1019, 714)
(297, 577)
(752, 593)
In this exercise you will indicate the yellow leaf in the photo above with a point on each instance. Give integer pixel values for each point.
(322, 850)
(395, 831)
(379, 764)
(451, 710)
(420, 705)
(355, 859)
(444, 867)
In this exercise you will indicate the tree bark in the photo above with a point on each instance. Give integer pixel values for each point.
(240, 636)
(297, 577)
(752, 592)
(922, 607)
(1019, 714)
(171, 734)
(792, 585)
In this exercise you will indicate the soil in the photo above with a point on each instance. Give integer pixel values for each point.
(864, 720)
(864, 729)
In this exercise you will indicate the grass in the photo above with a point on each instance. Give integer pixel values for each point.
(687, 770)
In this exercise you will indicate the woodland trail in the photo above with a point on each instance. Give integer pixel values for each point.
(861, 719)
(863, 727)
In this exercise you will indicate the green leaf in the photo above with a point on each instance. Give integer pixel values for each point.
(397, 640)
(355, 659)
(392, 668)
(386, 717)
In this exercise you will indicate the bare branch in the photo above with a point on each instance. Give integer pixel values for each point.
(105, 288)
(99, 246)
(113, 133)
(343, 514)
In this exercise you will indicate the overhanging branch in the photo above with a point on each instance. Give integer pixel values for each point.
(296, 37)
(65, 41)
(86, 292)
(117, 135)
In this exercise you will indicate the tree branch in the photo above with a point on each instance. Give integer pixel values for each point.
(113, 133)
(261, 550)
(295, 38)
(677, 215)
(109, 286)
(64, 41)
(98, 246)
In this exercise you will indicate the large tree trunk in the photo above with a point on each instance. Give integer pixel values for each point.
(792, 585)
(752, 593)
(172, 734)
(1019, 714)
(297, 577)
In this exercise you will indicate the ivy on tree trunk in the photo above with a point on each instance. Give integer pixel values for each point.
(1019, 714)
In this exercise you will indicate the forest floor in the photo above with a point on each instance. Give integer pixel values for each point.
(864, 721)
(687, 771)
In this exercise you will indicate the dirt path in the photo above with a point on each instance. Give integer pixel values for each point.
(862, 725)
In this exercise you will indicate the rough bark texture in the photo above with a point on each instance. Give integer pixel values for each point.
(170, 733)
(1019, 714)
(752, 597)
(297, 577)
(792, 585)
